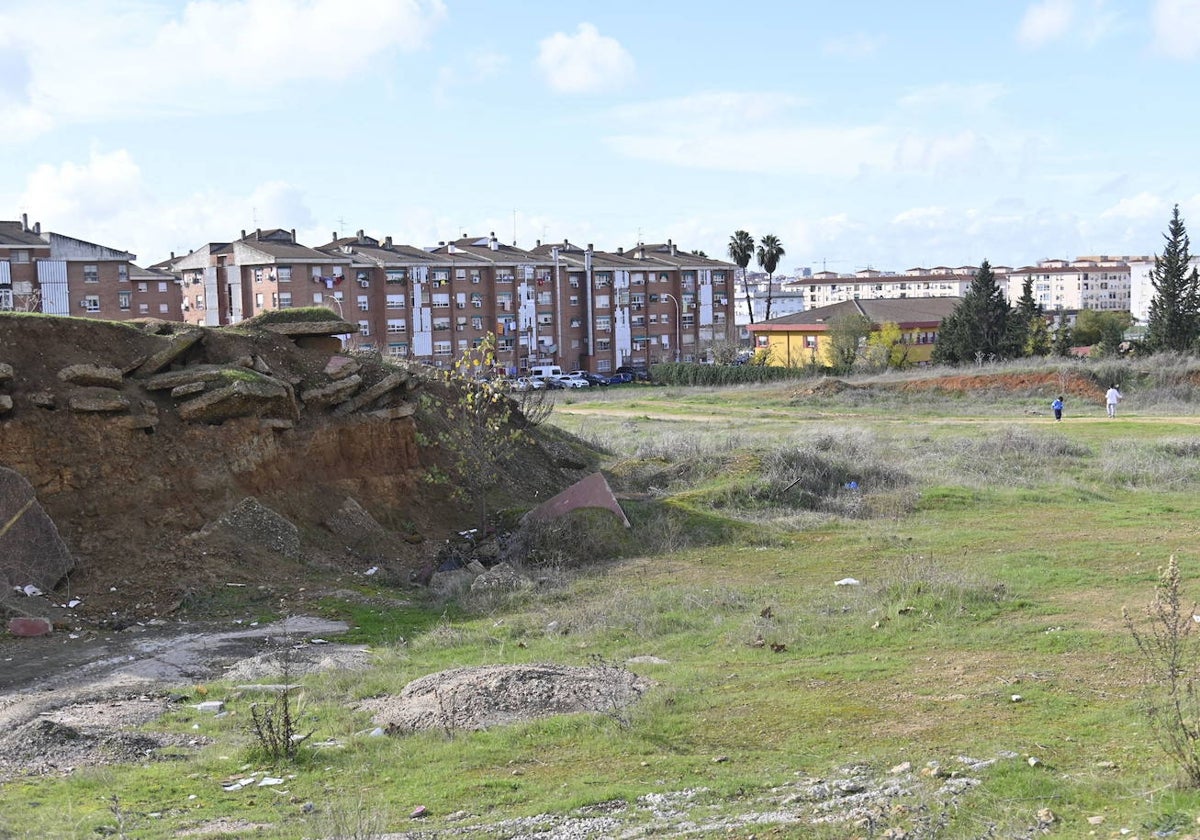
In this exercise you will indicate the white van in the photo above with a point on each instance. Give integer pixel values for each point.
(545, 371)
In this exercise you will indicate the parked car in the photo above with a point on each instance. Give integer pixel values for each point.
(592, 378)
(620, 378)
(637, 374)
(572, 381)
(525, 383)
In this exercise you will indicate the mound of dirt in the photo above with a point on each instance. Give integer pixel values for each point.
(176, 460)
(1043, 384)
(494, 695)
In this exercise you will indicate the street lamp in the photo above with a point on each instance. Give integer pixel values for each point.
(678, 322)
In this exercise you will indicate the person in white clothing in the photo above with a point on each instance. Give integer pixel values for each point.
(1111, 398)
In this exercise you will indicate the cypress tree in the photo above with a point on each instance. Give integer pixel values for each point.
(1174, 321)
(979, 326)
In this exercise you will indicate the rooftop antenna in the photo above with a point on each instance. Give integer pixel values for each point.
(254, 215)
(341, 226)
(514, 227)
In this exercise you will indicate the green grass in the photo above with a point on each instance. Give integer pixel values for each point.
(996, 567)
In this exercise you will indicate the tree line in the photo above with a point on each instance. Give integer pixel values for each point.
(984, 327)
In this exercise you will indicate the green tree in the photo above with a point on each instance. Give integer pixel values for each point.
(1092, 326)
(1064, 338)
(770, 249)
(978, 328)
(1037, 337)
(1174, 320)
(741, 251)
(847, 335)
(886, 347)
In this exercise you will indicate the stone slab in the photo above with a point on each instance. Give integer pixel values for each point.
(31, 550)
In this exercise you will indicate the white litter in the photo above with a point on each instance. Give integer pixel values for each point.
(847, 582)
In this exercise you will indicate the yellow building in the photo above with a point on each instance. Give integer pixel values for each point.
(802, 338)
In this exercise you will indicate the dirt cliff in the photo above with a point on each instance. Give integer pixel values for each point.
(175, 460)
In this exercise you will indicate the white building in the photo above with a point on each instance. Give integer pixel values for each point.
(1141, 290)
(1083, 283)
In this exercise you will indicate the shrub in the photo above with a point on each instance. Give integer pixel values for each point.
(1168, 646)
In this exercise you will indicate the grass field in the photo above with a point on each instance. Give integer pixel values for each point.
(993, 549)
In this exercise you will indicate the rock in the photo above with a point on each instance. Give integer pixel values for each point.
(276, 424)
(259, 364)
(31, 550)
(97, 400)
(1096, 820)
(6, 403)
(395, 412)
(43, 399)
(451, 583)
(294, 329)
(339, 367)
(6, 372)
(500, 577)
(332, 393)
(137, 422)
(210, 706)
(107, 377)
(384, 386)
(186, 390)
(30, 627)
(1046, 817)
(188, 376)
(241, 398)
(177, 347)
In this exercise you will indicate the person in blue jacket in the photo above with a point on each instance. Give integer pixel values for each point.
(1057, 405)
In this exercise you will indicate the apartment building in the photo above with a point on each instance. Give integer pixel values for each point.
(1141, 287)
(227, 282)
(1099, 282)
(825, 288)
(61, 275)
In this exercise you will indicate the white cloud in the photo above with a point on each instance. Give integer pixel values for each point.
(1177, 28)
(479, 67)
(128, 57)
(1143, 206)
(717, 109)
(856, 45)
(106, 200)
(962, 98)
(586, 62)
(1045, 21)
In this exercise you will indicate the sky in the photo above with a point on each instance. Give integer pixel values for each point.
(865, 133)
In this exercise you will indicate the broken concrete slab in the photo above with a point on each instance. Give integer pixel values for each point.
(339, 367)
(43, 399)
(295, 329)
(395, 412)
(31, 550)
(6, 404)
(384, 386)
(98, 400)
(590, 492)
(187, 376)
(179, 345)
(101, 375)
(258, 397)
(181, 391)
(331, 393)
(6, 372)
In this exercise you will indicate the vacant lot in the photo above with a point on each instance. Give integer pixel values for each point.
(861, 611)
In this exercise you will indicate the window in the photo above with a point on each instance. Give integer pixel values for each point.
(143, 287)
(476, 323)
(123, 272)
(460, 274)
(602, 301)
(317, 298)
(441, 275)
(144, 308)
(397, 348)
(604, 324)
(92, 303)
(603, 366)
(285, 274)
(573, 300)
(395, 301)
(441, 348)
(545, 319)
(363, 303)
(285, 300)
(258, 275)
(162, 287)
(461, 324)
(397, 325)
(476, 300)
(603, 345)
(6, 299)
(576, 322)
(91, 274)
(396, 275)
(123, 301)
(441, 301)
(20, 256)
(163, 309)
(364, 327)
(363, 278)
(441, 324)
(474, 276)
(258, 300)
(544, 299)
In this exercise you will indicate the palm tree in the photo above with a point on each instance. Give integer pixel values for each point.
(770, 249)
(741, 250)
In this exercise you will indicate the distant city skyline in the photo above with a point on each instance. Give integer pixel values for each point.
(861, 134)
